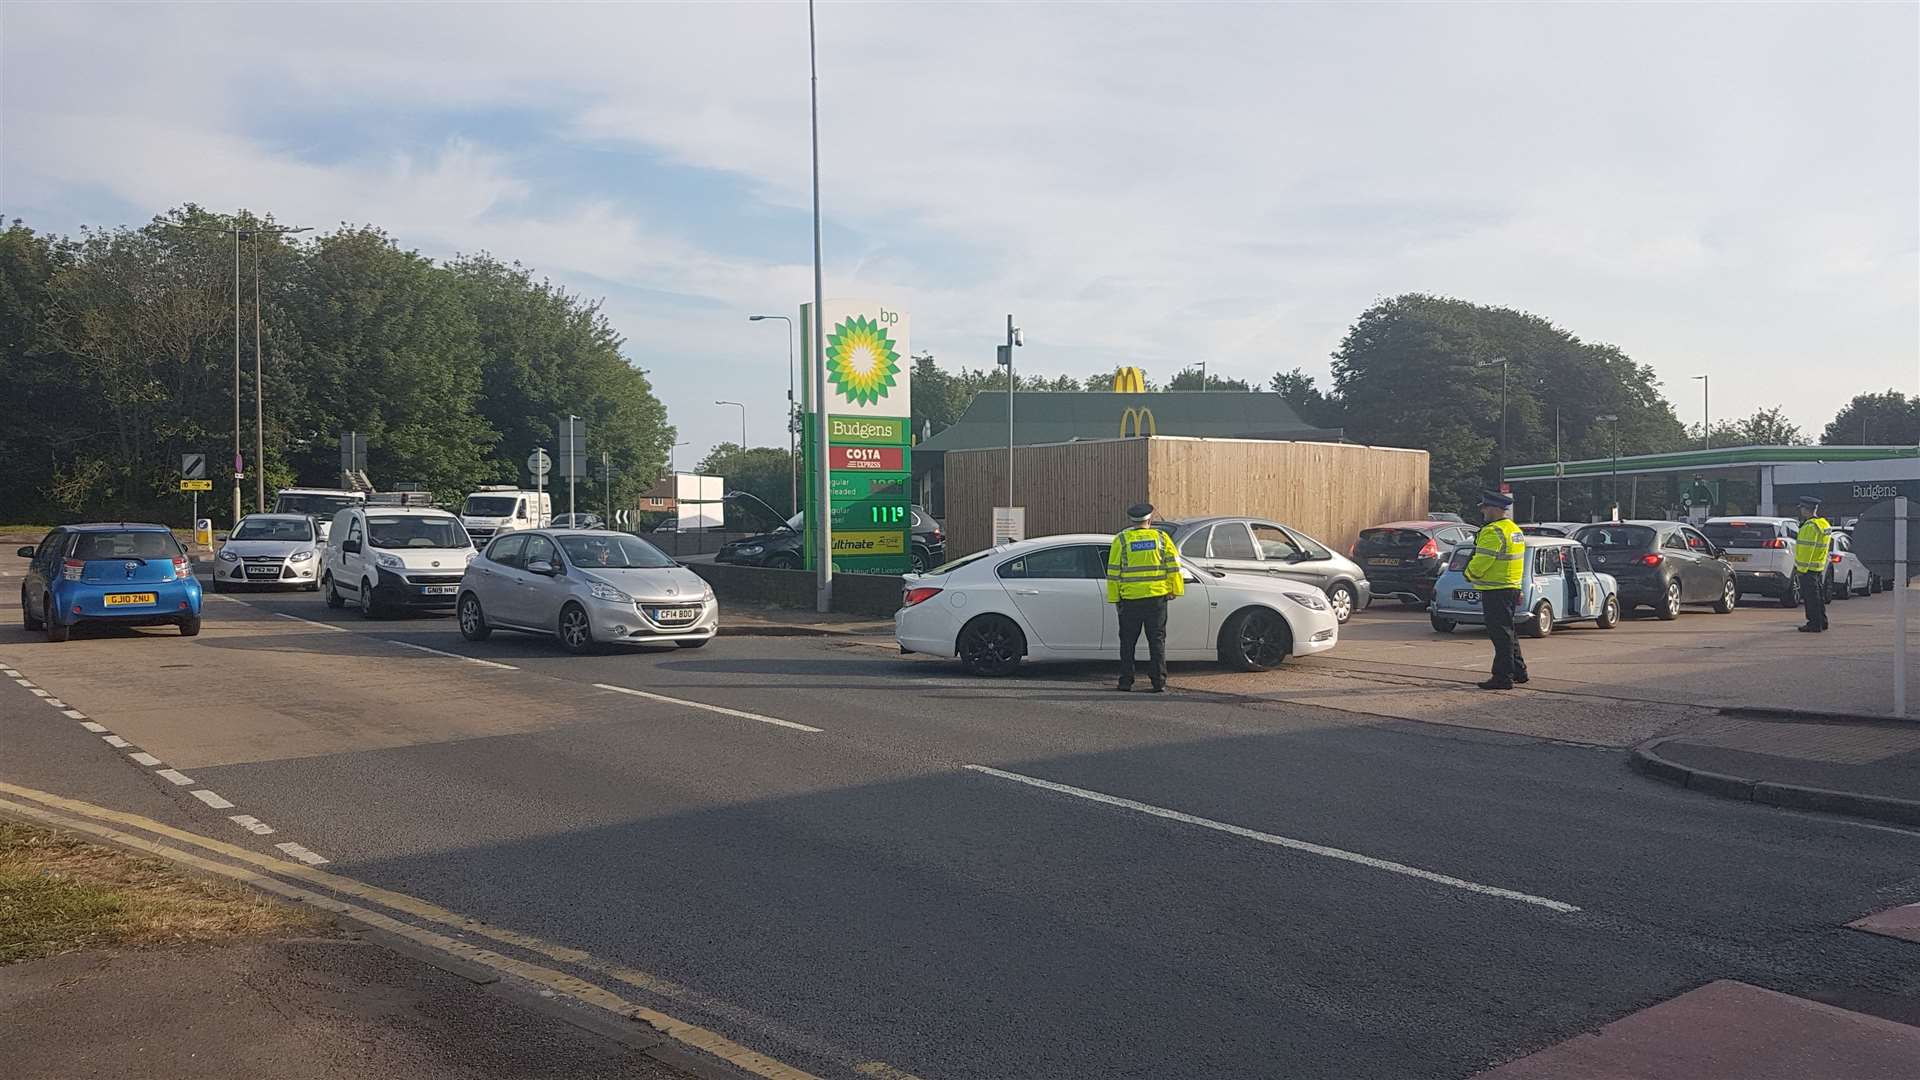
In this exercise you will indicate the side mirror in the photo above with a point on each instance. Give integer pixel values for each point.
(351, 547)
(541, 567)
(25, 552)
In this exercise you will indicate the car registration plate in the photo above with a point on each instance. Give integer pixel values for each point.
(130, 599)
(1383, 562)
(676, 614)
(1736, 558)
(1466, 594)
(263, 571)
(438, 590)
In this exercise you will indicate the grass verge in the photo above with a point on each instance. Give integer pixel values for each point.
(58, 894)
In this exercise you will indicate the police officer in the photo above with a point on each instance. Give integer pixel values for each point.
(1143, 573)
(1811, 549)
(1499, 559)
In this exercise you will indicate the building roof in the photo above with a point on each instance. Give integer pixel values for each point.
(1065, 416)
(1735, 457)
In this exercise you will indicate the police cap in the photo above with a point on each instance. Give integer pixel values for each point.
(1495, 498)
(1808, 501)
(1139, 511)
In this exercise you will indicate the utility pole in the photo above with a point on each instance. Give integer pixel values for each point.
(606, 474)
(259, 392)
(238, 468)
(1706, 414)
(823, 492)
(573, 466)
(1006, 357)
(1615, 420)
(1557, 467)
(1501, 476)
(793, 416)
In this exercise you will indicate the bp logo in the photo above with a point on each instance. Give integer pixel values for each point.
(861, 361)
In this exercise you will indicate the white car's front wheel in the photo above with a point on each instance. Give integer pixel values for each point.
(1255, 639)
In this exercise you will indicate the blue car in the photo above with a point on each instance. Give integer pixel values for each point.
(1558, 587)
(125, 573)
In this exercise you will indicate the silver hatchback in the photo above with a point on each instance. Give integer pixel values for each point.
(586, 588)
(1258, 546)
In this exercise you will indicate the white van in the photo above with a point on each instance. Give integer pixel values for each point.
(385, 558)
(503, 509)
(320, 504)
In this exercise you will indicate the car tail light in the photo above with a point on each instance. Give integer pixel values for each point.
(1834, 559)
(1429, 550)
(1776, 542)
(939, 537)
(919, 594)
(71, 569)
(181, 567)
(1651, 560)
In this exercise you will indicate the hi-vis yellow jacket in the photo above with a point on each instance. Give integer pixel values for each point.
(1499, 556)
(1812, 546)
(1142, 564)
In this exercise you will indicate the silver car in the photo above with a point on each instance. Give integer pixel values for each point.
(585, 588)
(1258, 546)
(270, 549)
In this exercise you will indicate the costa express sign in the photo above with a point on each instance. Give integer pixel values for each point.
(868, 458)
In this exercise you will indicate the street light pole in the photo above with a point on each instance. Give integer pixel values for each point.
(1706, 414)
(237, 481)
(1006, 357)
(793, 450)
(743, 421)
(823, 493)
(1616, 461)
(1501, 477)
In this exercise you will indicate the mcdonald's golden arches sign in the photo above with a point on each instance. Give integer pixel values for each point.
(1129, 380)
(1140, 420)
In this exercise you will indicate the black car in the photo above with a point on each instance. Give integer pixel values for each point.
(1661, 564)
(1403, 558)
(785, 547)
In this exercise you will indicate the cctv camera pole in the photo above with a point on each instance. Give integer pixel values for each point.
(1006, 357)
(823, 491)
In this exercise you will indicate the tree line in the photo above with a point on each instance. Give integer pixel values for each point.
(1426, 372)
(116, 356)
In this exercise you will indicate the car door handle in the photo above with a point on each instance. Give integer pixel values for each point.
(1026, 592)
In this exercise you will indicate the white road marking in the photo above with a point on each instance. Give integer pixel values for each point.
(37, 692)
(97, 729)
(451, 656)
(1281, 841)
(304, 855)
(310, 622)
(56, 703)
(76, 714)
(176, 776)
(145, 758)
(10, 673)
(116, 742)
(23, 682)
(211, 799)
(252, 824)
(774, 720)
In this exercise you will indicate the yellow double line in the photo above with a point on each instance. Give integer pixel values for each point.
(100, 822)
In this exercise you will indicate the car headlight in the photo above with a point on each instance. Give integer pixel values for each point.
(391, 562)
(706, 593)
(603, 591)
(228, 556)
(750, 549)
(1308, 600)
(301, 556)
(472, 555)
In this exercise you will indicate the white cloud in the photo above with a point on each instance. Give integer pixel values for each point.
(1713, 189)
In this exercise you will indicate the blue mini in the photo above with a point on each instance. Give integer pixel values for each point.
(126, 573)
(1558, 585)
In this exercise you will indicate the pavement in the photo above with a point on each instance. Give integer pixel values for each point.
(1863, 768)
(852, 863)
(300, 1008)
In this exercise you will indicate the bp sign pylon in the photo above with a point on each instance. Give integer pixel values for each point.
(868, 452)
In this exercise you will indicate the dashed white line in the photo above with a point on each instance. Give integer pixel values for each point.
(450, 656)
(252, 824)
(37, 692)
(76, 714)
(10, 673)
(23, 682)
(176, 776)
(304, 855)
(211, 799)
(774, 720)
(97, 729)
(56, 703)
(144, 758)
(116, 742)
(310, 622)
(1282, 841)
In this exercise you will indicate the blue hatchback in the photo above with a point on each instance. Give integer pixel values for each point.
(125, 573)
(1558, 586)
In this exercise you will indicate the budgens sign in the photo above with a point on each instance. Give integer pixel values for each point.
(868, 371)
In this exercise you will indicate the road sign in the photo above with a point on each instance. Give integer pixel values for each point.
(193, 466)
(539, 464)
(196, 485)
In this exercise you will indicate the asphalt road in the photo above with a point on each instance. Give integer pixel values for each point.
(839, 856)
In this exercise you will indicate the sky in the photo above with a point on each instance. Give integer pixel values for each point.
(1731, 190)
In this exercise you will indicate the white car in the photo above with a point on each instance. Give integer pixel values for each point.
(269, 549)
(1847, 576)
(390, 557)
(1760, 550)
(1046, 599)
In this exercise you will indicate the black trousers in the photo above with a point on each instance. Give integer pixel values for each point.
(1497, 606)
(1813, 592)
(1149, 615)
